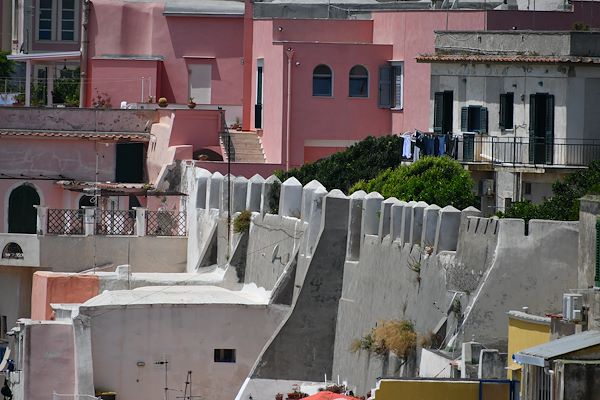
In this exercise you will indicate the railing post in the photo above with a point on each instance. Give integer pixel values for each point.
(42, 220)
(140, 221)
(89, 220)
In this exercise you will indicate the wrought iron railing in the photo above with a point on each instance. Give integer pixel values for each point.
(524, 151)
(225, 137)
(65, 222)
(165, 223)
(115, 222)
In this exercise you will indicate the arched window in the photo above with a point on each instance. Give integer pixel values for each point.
(322, 81)
(12, 251)
(359, 82)
(22, 216)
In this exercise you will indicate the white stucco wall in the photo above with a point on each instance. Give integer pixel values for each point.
(184, 334)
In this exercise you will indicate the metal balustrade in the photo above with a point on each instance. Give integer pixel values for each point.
(165, 223)
(65, 222)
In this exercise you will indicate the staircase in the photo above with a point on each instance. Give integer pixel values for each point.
(245, 147)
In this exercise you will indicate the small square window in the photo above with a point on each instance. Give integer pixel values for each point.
(527, 188)
(225, 355)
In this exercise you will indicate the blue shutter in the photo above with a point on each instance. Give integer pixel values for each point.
(385, 86)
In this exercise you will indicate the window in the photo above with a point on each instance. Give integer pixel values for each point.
(67, 20)
(225, 355)
(57, 20)
(390, 85)
(322, 81)
(474, 119)
(507, 101)
(359, 82)
(200, 77)
(442, 111)
(45, 13)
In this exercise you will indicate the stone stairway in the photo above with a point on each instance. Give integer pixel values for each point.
(245, 147)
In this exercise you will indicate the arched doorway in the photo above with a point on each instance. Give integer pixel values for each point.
(86, 201)
(22, 216)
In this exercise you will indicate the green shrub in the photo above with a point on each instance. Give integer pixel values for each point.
(564, 203)
(434, 180)
(363, 160)
(241, 223)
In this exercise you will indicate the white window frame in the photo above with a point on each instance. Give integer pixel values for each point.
(397, 65)
(56, 23)
(75, 22)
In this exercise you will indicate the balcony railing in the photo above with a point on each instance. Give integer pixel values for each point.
(65, 222)
(165, 223)
(524, 151)
(89, 221)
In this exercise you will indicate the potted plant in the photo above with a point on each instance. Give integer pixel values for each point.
(191, 103)
(150, 100)
(236, 125)
(162, 102)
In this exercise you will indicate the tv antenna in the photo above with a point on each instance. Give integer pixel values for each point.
(188, 387)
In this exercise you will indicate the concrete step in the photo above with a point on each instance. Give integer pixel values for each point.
(246, 147)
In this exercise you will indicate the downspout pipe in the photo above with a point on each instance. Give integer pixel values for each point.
(83, 64)
(290, 56)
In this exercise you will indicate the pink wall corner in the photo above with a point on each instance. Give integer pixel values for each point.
(412, 33)
(142, 29)
(274, 79)
(323, 31)
(159, 152)
(51, 196)
(50, 348)
(60, 288)
(198, 128)
(340, 117)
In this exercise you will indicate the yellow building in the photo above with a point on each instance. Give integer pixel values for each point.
(436, 389)
(524, 331)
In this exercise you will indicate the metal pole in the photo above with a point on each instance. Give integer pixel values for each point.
(228, 195)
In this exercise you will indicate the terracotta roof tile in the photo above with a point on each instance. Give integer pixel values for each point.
(498, 58)
(136, 136)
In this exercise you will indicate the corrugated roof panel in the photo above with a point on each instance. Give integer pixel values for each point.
(538, 355)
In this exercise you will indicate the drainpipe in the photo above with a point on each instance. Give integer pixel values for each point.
(85, 14)
(290, 55)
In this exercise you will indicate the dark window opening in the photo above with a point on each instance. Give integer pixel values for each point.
(442, 111)
(474, 119)
(22, 215)
(12, 251)
(87, 201)
(507, 109)
(259, 95)
(527, 188)
(541, 128)
(130, 163)
(225, 355)
(359, 82)
(390, 86)
(322, 81)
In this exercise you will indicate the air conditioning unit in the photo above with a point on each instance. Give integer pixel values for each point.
(572, 307)
(486, 187)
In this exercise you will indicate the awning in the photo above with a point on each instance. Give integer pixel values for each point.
(55, 55)
(539, 355)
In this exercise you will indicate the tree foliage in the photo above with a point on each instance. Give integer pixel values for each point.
(564, 203)
(434, 180)
(7, 66)
(363, 160)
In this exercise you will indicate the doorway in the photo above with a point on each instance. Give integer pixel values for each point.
(22, 215)
(541, 128)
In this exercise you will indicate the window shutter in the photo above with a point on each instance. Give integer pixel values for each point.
(502, 118)
(532, 126)
(464, 119)
(597, 275)
(509, 109)
(385, 86)
(549, 128)
(397, 87)
(483, 120)
(438, 111)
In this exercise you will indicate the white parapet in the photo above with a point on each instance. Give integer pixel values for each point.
(407, 217)
(354, 225)
(290, 198)
(430, 220)
(215, 186)
(370, 217)
(417, 222)
(269, 198)
(307, 197)
(385, 216)
(226, 192)
(316, 210)
(446, 237)
(201, 189)
(397, 222)
(254, 193)
(239, 194)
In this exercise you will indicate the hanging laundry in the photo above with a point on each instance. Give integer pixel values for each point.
(429, 146)
(441, 145)
(406, 152)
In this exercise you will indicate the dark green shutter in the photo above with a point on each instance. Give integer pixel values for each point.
(549, 129)
(532, 128)
(502, 117)
(509, 109)
(597, 275)
(483, 120)
(464, 119)
(385, 86)
(438, 111)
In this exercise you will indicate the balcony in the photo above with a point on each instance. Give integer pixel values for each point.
(524, 151)
(91, 221)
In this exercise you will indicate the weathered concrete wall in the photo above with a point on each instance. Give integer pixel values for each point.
(302, 349)
(580, 380)
(15, 292)
(30, 245)
(144, 254)
(75, 119)
(158, 332)
(589, 210)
